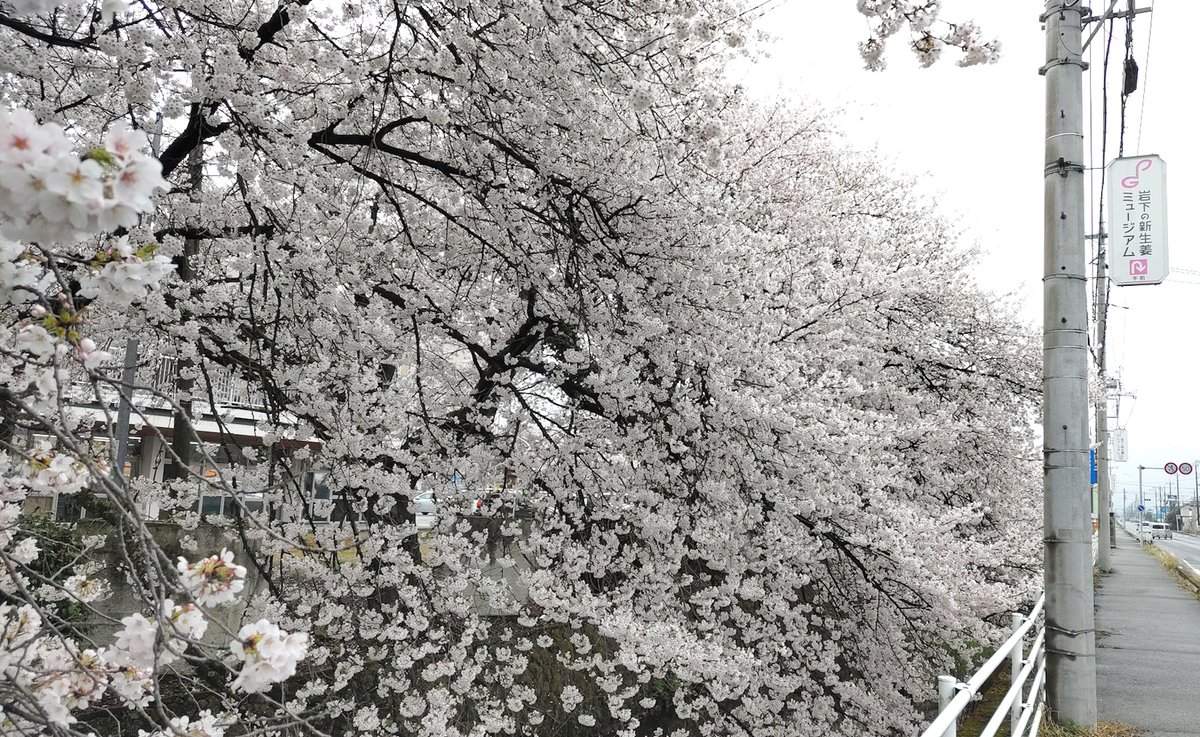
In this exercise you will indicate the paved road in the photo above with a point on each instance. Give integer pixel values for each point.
(1185, 547)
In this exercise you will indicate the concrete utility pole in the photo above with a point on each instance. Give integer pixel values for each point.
(1070, 619)
(1103, 491)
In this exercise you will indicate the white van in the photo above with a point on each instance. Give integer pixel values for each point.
(1160, 529)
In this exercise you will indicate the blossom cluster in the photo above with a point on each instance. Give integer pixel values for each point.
(41, 470)
(205, 724)
(214, 580)
(888, 17)
(137, 644)
(22, 277)
(50, 194)
(122, 275)
(62, 677)
(269, 655)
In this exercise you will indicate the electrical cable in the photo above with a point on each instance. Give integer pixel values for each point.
(1129, 414)
(1128, 65)
(1091, 134)
(1125, 92)
(1145, 76)
(1098, 309)
(1125, 89)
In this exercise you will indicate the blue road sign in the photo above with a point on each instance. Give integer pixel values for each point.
(1141, 507)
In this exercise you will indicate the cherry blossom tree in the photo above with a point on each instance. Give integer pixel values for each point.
(751, 447)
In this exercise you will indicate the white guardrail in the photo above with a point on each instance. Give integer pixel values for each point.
(1023, 706)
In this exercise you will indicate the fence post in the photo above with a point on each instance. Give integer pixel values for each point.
(946, 692)
(1017, 657)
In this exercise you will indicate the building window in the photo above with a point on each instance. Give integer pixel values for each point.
(227, 505)
(321, 502)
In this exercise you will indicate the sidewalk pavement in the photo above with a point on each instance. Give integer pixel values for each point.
(1147, 646)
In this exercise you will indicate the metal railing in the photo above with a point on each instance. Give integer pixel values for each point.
(227, 389)
(1023, 706)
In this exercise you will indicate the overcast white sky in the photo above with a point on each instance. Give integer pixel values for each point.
(974, 139)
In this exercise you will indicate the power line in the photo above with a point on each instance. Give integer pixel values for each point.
(1091, 137)
(1145, 76)
(1129, 79)
(1100, 311)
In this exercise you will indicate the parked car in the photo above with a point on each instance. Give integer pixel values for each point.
(1160, 530)
(425, 502)
(424, 507)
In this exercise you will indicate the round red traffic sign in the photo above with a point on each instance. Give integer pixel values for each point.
(1171, 468)
(1185, 468)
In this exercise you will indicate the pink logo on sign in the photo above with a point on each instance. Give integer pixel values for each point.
(1139, 267)
(1135, 179)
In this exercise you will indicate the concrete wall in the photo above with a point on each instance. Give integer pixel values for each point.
(210, 539)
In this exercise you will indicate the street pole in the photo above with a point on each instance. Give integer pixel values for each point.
(1070, 619)
(1196, 499)
(129, 367)
(1178, 501)
(1140, 502)
(1103, 491)
(121, 435)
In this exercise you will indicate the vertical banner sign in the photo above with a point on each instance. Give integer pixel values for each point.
(1118, 445)
(1137, 201)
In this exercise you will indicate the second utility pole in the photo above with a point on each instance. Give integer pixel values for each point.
(1067, 510)
(1103, 489)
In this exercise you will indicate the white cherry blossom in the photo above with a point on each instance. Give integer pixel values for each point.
(269, 655)
(202, 725)
(214, 580)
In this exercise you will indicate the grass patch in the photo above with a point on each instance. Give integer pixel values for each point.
(993, 692)
(981, 711)
(1103, 729)
(1181, 572)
